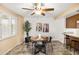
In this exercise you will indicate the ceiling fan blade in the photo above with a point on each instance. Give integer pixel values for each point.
(33, 13)
(48, 9)
(43, 14)
(27, 9)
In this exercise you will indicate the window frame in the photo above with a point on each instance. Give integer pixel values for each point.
(10, 18)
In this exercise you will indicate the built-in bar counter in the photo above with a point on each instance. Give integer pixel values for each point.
(72, 36)
(72, 41)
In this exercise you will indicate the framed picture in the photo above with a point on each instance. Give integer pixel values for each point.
(42, 27)
(39, 27)
(45, 27)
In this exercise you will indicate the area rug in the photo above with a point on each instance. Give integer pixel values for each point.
(53, 48)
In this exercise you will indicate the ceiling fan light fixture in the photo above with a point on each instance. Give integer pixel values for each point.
(39, 9)
(38, 12)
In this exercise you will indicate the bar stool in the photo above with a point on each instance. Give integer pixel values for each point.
(72, 45)
(76, 46)
(68, 42)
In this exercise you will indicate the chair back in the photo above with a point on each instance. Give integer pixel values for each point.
(49, 39)
(27, 39)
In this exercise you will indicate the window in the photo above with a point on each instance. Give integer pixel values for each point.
(8, 26)
(13, 25)
(0, 29)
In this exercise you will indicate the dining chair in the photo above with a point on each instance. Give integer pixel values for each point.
(49, 39)
(40, 46)
(27, 40)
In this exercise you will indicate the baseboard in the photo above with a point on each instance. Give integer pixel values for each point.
(59, 41)
(10, 49)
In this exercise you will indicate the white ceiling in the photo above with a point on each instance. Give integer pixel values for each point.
(17, 7)
(74, 12)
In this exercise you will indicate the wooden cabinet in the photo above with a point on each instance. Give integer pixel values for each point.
(78, 24)
(71, 22)
(72, 42)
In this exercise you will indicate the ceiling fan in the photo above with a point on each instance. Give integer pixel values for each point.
(39, 9)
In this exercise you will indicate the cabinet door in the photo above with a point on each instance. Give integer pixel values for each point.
(77, 24)
(70, 23)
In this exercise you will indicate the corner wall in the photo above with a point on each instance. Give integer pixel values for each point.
(60, 26)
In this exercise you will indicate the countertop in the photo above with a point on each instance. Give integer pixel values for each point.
(71, 34)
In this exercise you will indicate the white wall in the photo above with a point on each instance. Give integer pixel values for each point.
(60, 24)
(56, 27)
(41, 19)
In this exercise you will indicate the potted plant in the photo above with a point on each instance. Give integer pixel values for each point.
(27, 28)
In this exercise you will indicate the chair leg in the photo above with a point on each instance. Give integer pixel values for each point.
(35, 51)
(45, 50)
(27, 45)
